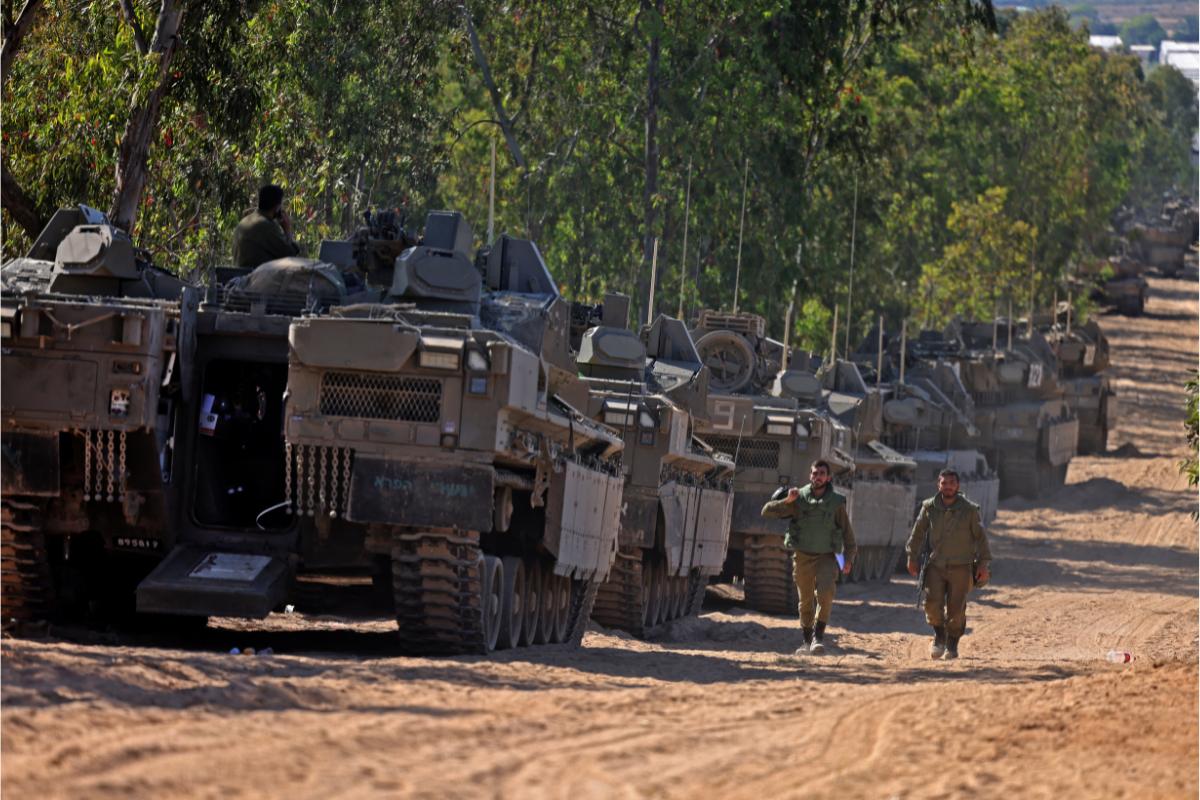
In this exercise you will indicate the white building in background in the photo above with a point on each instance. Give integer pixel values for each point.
(1184, 56)
(1109, 43)
(1143, 51)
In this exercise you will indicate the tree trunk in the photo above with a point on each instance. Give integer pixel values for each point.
(12, 197)
(652, 161)
(497, 101)
(12, 42)
(23, 210)
(143, 119)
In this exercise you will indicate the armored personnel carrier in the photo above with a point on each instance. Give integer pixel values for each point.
(678, 493)
(884, 493)
(432, 438)
(1120, 281)
(1083, 360)
(92, 370)
(764, 416)
(1026, 428)
(928, 416)
(1160, 239)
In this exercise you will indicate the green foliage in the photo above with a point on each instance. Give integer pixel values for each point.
(771, 82)
(948, 161)
(1188, 30)
(812, 327)
(1190, 466)
(989, 256)
(1143, 29)
(1065, 131)
(335, 102)
(1084, 11)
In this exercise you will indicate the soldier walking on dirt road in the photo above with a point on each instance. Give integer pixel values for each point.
(958, 559)
(819, 528)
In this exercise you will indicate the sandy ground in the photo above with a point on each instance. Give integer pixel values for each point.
(717, 707)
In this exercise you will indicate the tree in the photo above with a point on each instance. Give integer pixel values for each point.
(1143, 29)
(611, 101)
(337, 103)
(1060, 127)
(1188, 30)
(989, 258)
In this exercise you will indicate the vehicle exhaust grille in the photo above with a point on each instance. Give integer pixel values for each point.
(754, 453)
(345, 394)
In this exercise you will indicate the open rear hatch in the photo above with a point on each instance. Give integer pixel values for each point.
(195, 581)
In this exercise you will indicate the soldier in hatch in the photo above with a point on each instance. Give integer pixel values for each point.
(818, 531)
(958, 560)
(264, 234)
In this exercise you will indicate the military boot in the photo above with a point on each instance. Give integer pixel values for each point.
(938, 648)
(804, 648)
(951, 648)
(818, 641)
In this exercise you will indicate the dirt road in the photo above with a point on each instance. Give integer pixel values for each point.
(718, 707)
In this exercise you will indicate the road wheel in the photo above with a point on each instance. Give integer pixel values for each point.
(512, 603)
(532, 609)
(493, 585)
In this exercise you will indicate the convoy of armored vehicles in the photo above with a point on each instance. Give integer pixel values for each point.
(503, 464)
(421, 430)
(1144, 240)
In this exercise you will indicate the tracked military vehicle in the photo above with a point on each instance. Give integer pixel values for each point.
(1083, 360)
(678, 493)
(761, 415)
(884, 492)
(93, 342)
(927, 415)
(431, 438)
(1160, 239)
(1027, 430)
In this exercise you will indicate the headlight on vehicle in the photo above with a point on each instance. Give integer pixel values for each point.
(477, 361)
(779, 426)
(617, 418)
(434, 360)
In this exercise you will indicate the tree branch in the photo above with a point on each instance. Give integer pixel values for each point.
(143, 120)
(12, 42)
(497, 100)
(16, 202)
(139, 40)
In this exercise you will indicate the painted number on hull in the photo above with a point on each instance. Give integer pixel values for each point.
(723, 416)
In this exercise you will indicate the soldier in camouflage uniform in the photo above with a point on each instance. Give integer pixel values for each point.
(819, 528)
(958, 559)
(264, 234)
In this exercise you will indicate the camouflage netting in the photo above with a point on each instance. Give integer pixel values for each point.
(294, 275)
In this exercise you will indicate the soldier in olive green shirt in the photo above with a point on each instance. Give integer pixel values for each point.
(819, 528)
(956, 540)
(264, 234)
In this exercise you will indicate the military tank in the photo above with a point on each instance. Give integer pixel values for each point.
(94, 347)
(1083, 359)
(678, 493)
(761, 415)
(432, 438)
(1026, 428)
(1160, 239)
(928, 416)
(884, 494)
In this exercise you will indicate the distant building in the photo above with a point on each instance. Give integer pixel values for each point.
(1109, 43)
(1183, 56)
